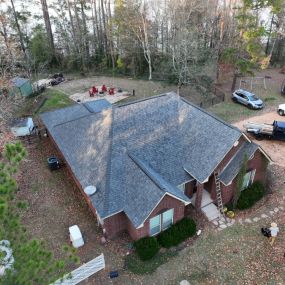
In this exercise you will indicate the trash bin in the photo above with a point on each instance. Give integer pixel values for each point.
(53, 163)
(113, 274)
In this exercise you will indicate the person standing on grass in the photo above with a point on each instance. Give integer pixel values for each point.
(274, 230)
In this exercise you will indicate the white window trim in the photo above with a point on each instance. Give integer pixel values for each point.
(161, 222)
(251, 178)
(159, 226)
(171, 218)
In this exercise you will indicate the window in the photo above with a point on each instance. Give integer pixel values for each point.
(154, 225)
(248, 179)
(167, 219)
(161, 222)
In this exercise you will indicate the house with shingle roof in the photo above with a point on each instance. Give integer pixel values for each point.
(151, 159)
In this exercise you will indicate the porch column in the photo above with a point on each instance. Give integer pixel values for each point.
(199, 195)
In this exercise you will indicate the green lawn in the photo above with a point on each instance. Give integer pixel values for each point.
(137, 266)
(232, 112)
(55, 99)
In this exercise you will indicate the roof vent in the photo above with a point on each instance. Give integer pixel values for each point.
(90, 190)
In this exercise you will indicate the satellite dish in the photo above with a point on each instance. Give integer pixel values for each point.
(90, 190)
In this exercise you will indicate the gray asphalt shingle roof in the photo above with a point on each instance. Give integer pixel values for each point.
(18, 81)
(232, 168)
(97, 105)
(136, 153)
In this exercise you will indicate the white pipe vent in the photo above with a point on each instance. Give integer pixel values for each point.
(90, 190)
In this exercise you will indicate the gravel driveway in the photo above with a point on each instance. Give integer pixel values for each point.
(275, 149)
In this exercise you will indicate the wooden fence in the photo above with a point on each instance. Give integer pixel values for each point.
(219, 97)
(83, 272)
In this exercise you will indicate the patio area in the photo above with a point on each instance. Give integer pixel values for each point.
(207, 206)
(112, 98)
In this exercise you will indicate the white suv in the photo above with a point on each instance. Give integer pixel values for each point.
(281, 109)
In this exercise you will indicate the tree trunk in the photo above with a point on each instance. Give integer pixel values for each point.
(104, 25)
(269, 36)
(48, 26)
(80, 39)
(19, 32)
(234, 81)
(72, 27)
(85, 34)
(110, 37)
(95, 26)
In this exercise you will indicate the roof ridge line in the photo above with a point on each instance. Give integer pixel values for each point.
(235, 154)
(141, 100)
(108, 170)
(76, 119)
(142, 167)
(67, 107)
(210, 114)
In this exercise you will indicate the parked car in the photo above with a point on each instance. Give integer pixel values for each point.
(247, 98)
(56, 81)
(281, 109)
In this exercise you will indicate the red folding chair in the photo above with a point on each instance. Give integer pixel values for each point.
(111, 91)
(91, 92)
(104, 88)
(94, 90)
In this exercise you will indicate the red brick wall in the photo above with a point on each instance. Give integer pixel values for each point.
(258, 162)
(115, 224)
(166, 203)
(189, 187)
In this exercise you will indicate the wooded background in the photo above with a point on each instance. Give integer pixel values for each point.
(179, 41)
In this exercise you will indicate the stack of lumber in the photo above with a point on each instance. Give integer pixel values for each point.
(260, 127)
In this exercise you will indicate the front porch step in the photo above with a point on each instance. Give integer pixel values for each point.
(211, 211)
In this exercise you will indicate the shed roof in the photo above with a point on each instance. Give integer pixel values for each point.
(20, 122)
(136, 153)
(19, 81)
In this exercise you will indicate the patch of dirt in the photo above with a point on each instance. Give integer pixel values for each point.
(55, 203)
(85, 97)
(275, 149)
(273, 81)
(143, 88)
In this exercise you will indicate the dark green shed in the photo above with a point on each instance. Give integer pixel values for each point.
(24, 85)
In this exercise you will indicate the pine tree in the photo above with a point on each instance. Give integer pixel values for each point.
(34, 263)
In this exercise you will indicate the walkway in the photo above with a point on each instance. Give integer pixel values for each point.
(221, 223)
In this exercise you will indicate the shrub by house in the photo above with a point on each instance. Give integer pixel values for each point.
(146, 247)
(177, 233)
(251, 195)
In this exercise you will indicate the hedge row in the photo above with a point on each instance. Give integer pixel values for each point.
(177, 233)
(147, 247)
(250, 195)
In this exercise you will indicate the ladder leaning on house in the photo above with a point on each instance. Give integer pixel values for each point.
(219, 194)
